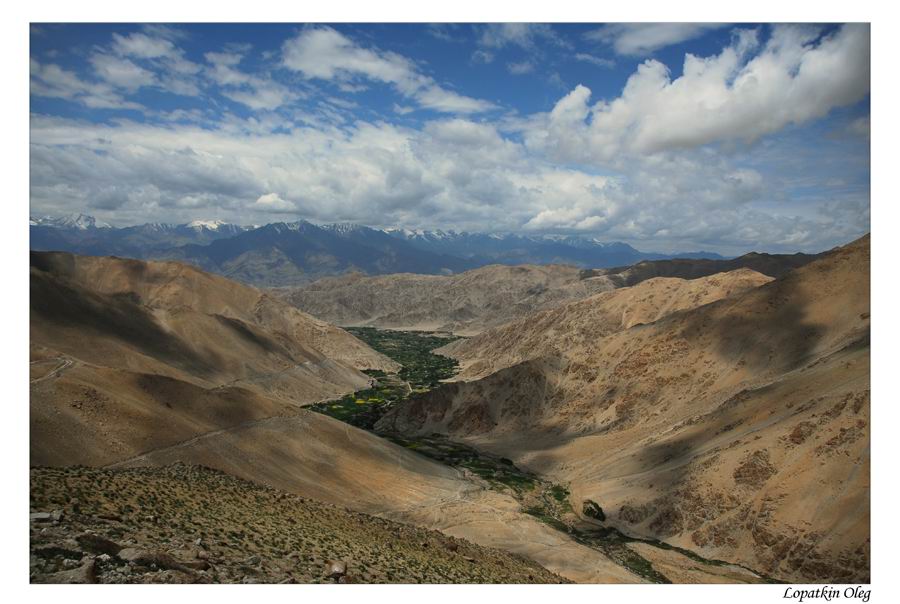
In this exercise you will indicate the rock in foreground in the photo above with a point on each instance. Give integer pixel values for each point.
(190, 524)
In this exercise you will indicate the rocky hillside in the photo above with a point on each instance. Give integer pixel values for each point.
(157, 525)
(713, 429)
(773, 265)
(315, 456)
(471, 302)
(466, 303)
(555, 331)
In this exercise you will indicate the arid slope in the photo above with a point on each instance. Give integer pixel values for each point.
(128, 356)
(739, 429)
(166, 289)
(470, 302)
(316, 456)
(576, 324)
(145, 364)
(466, 303)
(209, 527)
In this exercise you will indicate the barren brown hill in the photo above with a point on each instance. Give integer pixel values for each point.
(128, 356)
(319, 457)
(137, 364)
(739, 429)
(166, 289)
(772, 265)
(470, 302)
(466, 303)
(575, 324)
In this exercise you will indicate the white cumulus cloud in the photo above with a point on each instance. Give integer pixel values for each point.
(324, 53)
(272, 202)
(638, 39)
(735, 95)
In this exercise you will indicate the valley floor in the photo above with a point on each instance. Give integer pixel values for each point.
(649, 560)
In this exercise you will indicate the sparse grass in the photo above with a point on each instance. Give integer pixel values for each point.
(291, 536)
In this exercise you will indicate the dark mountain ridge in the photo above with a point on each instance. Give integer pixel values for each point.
(773, 265)
(294, 253)
(511, 248)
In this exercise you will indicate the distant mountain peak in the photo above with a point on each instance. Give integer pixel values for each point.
(282, 227)
(79, 221)
(212, 225)
(344, 228)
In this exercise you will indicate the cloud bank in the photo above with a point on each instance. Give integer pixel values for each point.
(670, 163)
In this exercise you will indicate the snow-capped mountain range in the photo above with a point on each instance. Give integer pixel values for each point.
(286, 253)
(72, 221)
(84, 222)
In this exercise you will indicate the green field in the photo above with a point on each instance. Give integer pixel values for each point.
(365, 407)
(421, 371)
(422, 368)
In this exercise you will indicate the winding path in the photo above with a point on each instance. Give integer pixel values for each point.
(64, 365)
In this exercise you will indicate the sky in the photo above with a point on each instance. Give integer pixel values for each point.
(670, 137)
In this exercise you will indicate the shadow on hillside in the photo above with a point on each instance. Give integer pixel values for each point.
(767, 329)
(119, 317)
(224, 407)
(253, 336)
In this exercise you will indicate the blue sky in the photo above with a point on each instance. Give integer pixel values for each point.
(671, 137)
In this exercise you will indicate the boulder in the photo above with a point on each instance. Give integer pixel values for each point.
(335, 569)
(592, 509)
(197, 564)
(144, 557)
(97, 544)
(84, 574)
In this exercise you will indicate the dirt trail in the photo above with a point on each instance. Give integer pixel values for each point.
(186, 443)
(64, 365)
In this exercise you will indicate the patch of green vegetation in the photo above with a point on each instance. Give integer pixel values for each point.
(413, 350)
(541, 514)
(640, 566)
(559, 492)
(695, 556)
(421, 371)
(365, 407)
(613, 542)
(499, 472)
